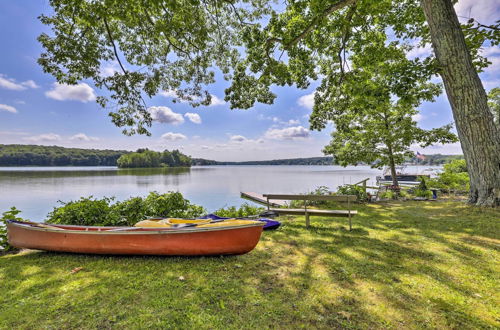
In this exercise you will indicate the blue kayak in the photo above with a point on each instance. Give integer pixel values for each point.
(269, 224)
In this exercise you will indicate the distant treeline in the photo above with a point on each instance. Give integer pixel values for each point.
(436, 159)
(292, 161)
(33, 155)
(148, 158)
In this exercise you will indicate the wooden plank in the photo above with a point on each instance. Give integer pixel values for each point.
(338, 198)
(326, 213)
(259, 198)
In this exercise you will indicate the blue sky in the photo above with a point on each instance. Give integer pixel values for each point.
(35, 110)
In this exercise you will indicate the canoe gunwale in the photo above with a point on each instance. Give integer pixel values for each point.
(132, 231)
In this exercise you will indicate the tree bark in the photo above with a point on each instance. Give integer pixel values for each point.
(392, 165)
(479, 136)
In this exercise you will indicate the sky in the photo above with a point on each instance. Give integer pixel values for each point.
(36, 110)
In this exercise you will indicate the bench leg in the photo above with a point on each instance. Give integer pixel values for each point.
(350, 224)
(307, 220)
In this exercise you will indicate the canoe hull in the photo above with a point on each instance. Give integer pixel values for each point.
(227, 241)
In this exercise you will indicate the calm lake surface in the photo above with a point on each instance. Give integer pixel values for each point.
(36, 190)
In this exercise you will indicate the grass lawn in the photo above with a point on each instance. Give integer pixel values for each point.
(404, 265)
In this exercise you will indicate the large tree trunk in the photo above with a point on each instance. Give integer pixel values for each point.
(479, 136)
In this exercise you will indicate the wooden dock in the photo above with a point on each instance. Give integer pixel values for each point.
(259, 198)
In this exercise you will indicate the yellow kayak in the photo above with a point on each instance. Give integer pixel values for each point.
(176, 222)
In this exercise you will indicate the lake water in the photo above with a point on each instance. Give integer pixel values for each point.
(36, 190)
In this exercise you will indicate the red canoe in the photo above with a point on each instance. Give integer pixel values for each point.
(192, 241)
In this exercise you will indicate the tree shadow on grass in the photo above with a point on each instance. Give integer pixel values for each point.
(379, 275)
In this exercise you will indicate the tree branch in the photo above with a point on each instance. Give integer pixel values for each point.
(114, 46)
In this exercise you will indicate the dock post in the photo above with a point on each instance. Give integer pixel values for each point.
(307, 214)
(349, 208)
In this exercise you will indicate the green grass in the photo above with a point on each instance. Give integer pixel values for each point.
(404, 265)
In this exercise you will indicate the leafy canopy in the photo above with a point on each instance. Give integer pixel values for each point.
(154, 45)
(372, 110)
(177, 45)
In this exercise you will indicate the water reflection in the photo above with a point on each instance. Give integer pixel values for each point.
(61, 172)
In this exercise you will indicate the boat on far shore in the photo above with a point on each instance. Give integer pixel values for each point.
(403, 176)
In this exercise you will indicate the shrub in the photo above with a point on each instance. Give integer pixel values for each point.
(86, 211)
(388, 194)
(456, 166)
(321, 190)
(353, 190)
(404, 194)
(130, 211)
(421, 190)
(171, 204)
(244, 210)
(8, 215)
(453, 178)
(102, 212)
(423, 193)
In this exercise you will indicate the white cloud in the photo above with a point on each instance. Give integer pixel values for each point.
(277, 120)
(484, 11)
(165, 115)
(49, 137)
(80, 92)
(419, 51)
(417, 117)
(306, 101)
(30, 84)
(109, 69)
(216, 101)
(169, 93)
(238, 138)
(193, 117)
(494, 67)
(490, 51)
(289, 133)
(489, 84)
(7, 108)
(173, 136)
(83, 137)
(11, 84)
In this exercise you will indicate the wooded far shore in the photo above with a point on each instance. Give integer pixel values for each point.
(37, 155)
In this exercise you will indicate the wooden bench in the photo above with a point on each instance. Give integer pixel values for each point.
(308, 211)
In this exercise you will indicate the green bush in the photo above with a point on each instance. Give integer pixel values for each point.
(103, 212)
(8, 215)
(456, 166)
(130, 211)
(353, 190)
(86, 211)
(454, 178)
(171, 204)
(423, 193)
(421, 190)
(388, 194)
(321, 190)
(244, 210)
(404, 194)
